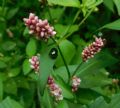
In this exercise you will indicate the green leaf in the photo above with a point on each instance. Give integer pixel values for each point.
(66, 48)
(26, 67)
(101, 60)
(10, 103)
(2, 64)
(113, 25)
(117, 3)
(13, 72)
(47, 100)
(1, 89)
(26, 32)
(10, 87)
(95, 78)
(46, 67)
(66, 90)
(109, 4)
(70, 3)
(84, 96)
(99, 103)
(8, 45)
(115, 102)
(11, 13)
(60, 28)
(62, 104)
(31, 47)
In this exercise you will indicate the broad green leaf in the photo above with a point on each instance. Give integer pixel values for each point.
(46, 67)
(1, 89)
(31, 47)
(61, 72)
(62, 104)
(95, 79)
(115, 25)
(109, 4)
(8, 45)
(101, 60)
(68, 50)
(13, 72)
(10, 103)
(117, 3)
(26, 67)
(70, 3)
(92, 67)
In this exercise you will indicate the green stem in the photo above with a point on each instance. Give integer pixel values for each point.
(77, 68)
(62, 59)
(51, 19)
(78, 12)
(86, 17)
(65, 33)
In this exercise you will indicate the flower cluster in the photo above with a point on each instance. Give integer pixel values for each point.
(55, 90)
(40, 28)
(93, 48)
(75, 83)
(34, 61)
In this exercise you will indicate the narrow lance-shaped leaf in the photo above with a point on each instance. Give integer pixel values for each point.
(113, 25)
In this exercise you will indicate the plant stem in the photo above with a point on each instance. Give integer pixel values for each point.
(78, 12)
(65, 33)
(86, 17)
(77, 68)
(50, 15)
(62, 59)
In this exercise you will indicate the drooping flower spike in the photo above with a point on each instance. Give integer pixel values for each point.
(40, 28)
(34, 63)
(75, 83)
(93, 48)
(55, 90)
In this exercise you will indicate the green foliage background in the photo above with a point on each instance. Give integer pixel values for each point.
(76, 21)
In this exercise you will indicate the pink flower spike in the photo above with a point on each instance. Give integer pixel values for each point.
(40, 28)
(93, 48)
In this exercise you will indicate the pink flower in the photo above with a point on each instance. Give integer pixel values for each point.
(34, 61)
(55, 90)
(40, 28)
(93, 48)
(75, 83)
